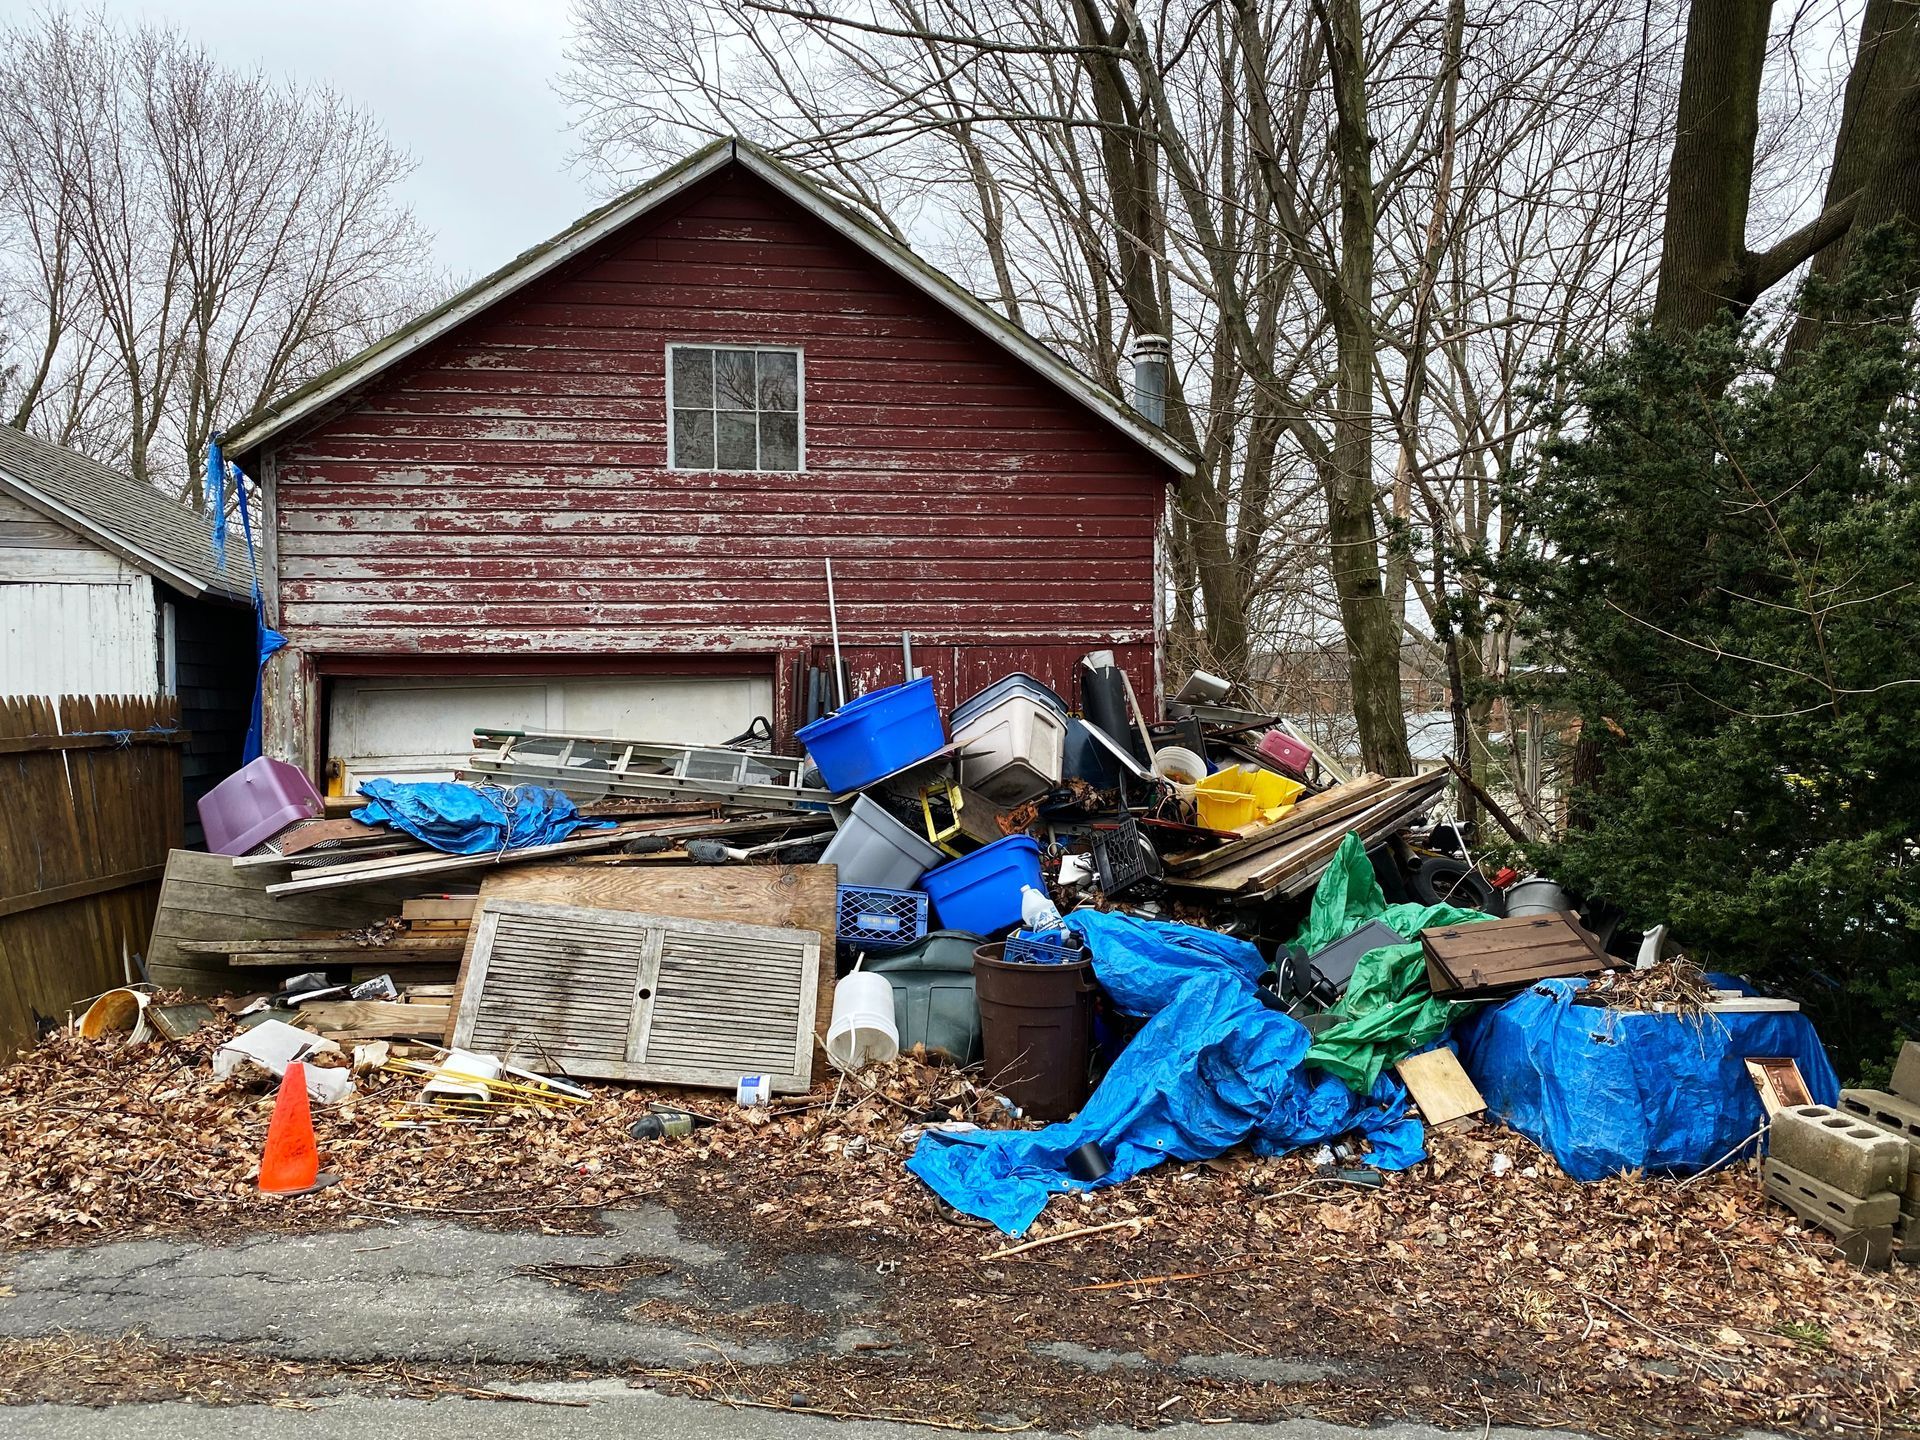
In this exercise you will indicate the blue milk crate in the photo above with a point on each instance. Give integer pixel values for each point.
(878, 919)
(1054, 948)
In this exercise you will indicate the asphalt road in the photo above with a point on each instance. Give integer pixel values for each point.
(611, 1412)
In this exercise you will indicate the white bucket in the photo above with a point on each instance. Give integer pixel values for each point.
(863, 1031)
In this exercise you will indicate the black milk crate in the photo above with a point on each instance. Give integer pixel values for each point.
(1123, 857)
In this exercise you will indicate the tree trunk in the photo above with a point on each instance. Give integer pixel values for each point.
(1373, 641)
(1876, 156)
(1710, 178)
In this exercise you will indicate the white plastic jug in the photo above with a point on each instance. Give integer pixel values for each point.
(863, 1031)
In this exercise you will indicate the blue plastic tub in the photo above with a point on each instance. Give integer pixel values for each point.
(874, 735)
(981, 892)
(1018, 683)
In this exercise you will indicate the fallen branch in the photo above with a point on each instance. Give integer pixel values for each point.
(1170, 1279)
(1066, 1235)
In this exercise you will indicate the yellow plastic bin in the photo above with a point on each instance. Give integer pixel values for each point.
(1239, 795)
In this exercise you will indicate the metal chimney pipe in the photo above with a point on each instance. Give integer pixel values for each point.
(1152, 359)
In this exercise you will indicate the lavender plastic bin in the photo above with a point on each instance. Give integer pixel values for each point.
(255, 803)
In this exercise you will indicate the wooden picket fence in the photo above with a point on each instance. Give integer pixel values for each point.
(90, 803)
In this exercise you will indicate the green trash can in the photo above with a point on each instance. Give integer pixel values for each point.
(933, 999)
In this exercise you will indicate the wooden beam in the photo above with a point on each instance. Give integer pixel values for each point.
(80, 889)
(28, 744)
(1500, 816)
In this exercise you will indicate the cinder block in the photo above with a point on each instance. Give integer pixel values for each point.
(1906, 1240)
(1906, 1072)
(1867, 1249)
(1814, 1200)
(1845, 1151)
(1889, 1112)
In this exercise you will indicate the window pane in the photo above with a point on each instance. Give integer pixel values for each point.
(693, 377)
(693, 439)
(779, 380)
(734, 447)
(733, 379)
(779, 442)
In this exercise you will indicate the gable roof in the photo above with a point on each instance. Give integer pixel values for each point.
(149, 530)
(288, 410)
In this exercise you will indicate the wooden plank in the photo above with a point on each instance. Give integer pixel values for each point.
(335, 877)
(79, 889)
(1309, 814)
(781, 897)
(440, 907)
(1269, 870)
(378, 958)
(438, 947)
(120, 740)
(373, 1019)
(203, 897)
(1440, 1087)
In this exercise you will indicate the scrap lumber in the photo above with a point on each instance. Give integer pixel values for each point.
(440, 907)
(796, 897)
(1293, 865)
(1778, 1080)
(304, 945)
(1440, 1087)
(433, 862)
(374, 1019)
(1312, 813)
(205, 897)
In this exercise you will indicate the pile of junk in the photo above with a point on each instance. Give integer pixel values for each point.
(1172, 937)
(1157, 936)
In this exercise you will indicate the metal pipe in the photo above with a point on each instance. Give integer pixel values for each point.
(833, 617)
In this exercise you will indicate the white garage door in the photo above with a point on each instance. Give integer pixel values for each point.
(422, 729)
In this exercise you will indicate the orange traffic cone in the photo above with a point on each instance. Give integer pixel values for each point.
(290, 1163)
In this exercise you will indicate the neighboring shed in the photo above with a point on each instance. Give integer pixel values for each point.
(108, 587)
(597, 490)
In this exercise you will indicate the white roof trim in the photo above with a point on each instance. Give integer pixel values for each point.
(106, 539)
(902, 262)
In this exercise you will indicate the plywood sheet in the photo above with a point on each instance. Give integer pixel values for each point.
(1440, 1087)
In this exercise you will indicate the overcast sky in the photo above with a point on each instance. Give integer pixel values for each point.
(464, 85)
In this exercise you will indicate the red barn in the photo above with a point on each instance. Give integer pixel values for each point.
(597, 490)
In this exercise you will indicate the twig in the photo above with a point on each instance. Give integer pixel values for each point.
(1170, 1279)
(1702, 1174)
(1137, 1224)
(1719, 1362)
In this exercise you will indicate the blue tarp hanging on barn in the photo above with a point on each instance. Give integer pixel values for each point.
(1608, 1091)
(1212, 1068)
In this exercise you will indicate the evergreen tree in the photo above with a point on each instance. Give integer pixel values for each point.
(1726, 592)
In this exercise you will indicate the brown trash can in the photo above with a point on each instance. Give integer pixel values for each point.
(1036, 1031)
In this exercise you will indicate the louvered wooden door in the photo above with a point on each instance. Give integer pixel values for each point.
(622, 996)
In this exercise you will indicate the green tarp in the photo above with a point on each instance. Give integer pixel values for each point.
(1387, 1012)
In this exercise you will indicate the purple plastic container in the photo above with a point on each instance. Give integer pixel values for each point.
(255, 803)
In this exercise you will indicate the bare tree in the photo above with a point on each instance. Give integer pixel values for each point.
(180, 242)
(1363, 226)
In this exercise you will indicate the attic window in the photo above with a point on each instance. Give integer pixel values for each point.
(734, 409)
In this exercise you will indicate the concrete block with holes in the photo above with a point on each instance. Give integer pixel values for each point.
(1906, 1240)
(1892, 1113)
(1844, 1150)
(1811, 1198)
(1906, 1072)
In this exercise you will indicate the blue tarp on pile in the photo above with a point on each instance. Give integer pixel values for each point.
(473, 819)
(1213, 1067)
(1608, 1091)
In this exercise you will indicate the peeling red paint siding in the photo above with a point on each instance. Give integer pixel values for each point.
(505, 492)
